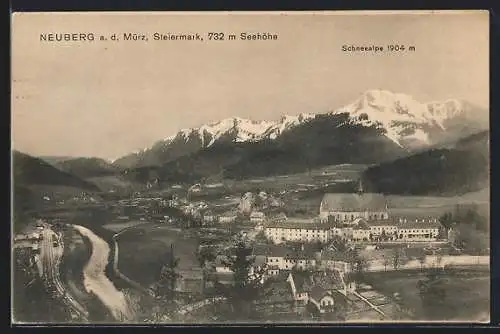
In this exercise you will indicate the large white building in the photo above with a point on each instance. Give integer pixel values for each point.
(297, 231)
(278, 258)
(418, 231)
(403, 229)
(385, 230)
(257, 217)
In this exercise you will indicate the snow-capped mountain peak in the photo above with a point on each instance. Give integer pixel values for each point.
(407, 121)
(240, 129)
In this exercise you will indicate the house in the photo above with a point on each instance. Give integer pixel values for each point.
(273, 270)
(383, 230)
(346, 207)
(208, 217)
(300, 288)
(220, 264)
(20, 237)
(333, 260)
(418, 231)
(283, 258)
(322, 299)
(361, 234)
(318, 288)
(279, 218)
(259, 227)
(257, 217)
(228, 217)
(246, 203)
(297, 231)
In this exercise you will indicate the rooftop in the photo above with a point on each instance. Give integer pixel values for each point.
(385, 222)
(334, 255)
(415, 218)
(299, 224)
(230, 213)
(419, 224)
(353, 202)
(257, 214)
(272, 250)
(409, 223)
(279, 216)
(318, 292)
(307, 281)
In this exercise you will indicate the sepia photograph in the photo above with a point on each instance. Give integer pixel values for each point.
(250, 167)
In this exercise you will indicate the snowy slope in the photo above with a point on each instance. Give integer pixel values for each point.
(235, 129)
(409, 123)
(242, 130)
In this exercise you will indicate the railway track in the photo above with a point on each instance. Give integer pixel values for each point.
(51, 259)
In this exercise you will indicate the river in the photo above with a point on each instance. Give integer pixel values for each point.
(96, 281)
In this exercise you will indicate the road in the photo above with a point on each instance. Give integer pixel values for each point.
(430, 261)
(51, 259)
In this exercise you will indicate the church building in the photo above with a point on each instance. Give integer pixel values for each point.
(347, 207)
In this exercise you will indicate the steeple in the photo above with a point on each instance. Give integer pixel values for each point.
(359, 187)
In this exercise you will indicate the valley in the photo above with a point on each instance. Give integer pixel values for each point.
(147, 237)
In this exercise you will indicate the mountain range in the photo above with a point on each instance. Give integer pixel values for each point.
(408, 123)
(379, 127)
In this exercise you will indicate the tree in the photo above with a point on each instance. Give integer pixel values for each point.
(359, 265)
(439, 259)
(396, 258)
(446, 220)
(247, 282)
(422, 258)
(205, 254)
(383, 237)
(168, 279)
(386, 262)
(260, 237)
(432, 292)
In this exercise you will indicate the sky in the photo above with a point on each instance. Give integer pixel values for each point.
(107, 99)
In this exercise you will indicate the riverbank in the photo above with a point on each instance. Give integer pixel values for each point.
(96, 281)
(76, 255)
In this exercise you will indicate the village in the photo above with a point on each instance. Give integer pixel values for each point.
(307, 267)
(312, 262)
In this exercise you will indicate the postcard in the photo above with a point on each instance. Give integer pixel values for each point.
(250, 167)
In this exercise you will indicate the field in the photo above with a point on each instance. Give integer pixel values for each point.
(143, 250)
(467, 297)
(307, 203)
(319, 180)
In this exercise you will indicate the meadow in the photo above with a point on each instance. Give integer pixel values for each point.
(467, 297)
(143, 250)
